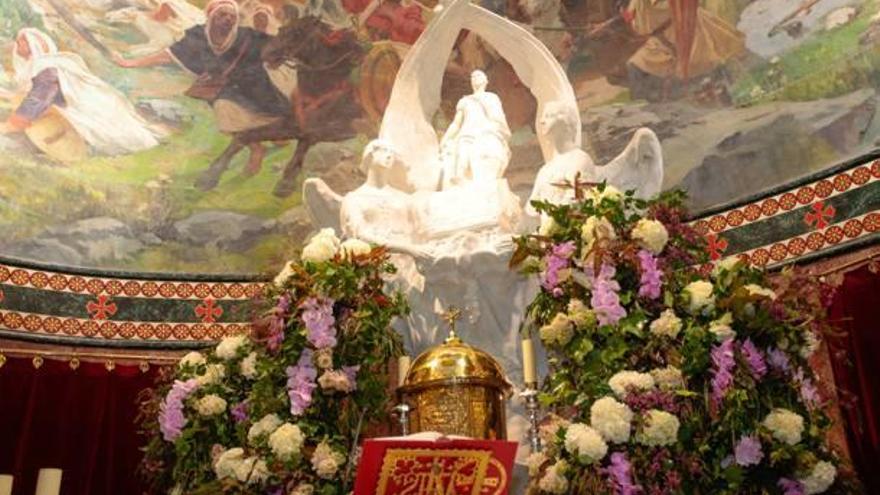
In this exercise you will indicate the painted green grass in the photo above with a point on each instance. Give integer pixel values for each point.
(829, 64)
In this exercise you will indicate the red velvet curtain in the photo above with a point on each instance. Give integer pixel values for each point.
(81, 421)
(855, 360)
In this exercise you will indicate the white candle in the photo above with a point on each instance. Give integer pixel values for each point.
(528, 352)
(5, 484)
(49, 482)
(403, 364)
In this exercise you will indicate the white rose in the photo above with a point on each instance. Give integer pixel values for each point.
(326, 461)
(612, 419)
(585, 443)
(266, 425)
(548, 226)
(786, 426)
(213, 374)
(248, 366)
(329, 235)
(228, 463)
(535, 461)
(623, 381)
(355, 247)
(668, 325)
(284, 275)
(228, 347)
(727, 264)
(660, 428)
(757, 290)
(820, 478)
(721, 327)
(651, 235)
(580, 315)
(319, 250)
(210, 405)
(554, 480)
(596, 229)
(557, 332)
(286, 441)
(700, 297)
(668, 378)
(191, 359)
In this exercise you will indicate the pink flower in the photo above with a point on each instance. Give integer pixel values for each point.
(605, 300)
(723, 363)
(748, 451)
(754, 358)
(317, 316)
(171, 417)
(650, 279)
(301, 383)
(620, 473)
(557, 260)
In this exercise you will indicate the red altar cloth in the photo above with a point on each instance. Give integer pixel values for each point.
(399, 466)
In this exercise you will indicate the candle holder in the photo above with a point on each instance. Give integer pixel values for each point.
(402, 410)
(533, 409)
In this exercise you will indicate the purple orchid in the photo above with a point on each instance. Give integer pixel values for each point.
(557, 260)
(748, 452)
(317, 316)
(650, 279)
(301, 383)
(605, 301)
(755, 359)
(620, 474)
(171, 417)
(723, 363)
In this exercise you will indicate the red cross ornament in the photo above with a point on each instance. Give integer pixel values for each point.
(208, 311)
(820, 216)
(101, 309)
(716, 246)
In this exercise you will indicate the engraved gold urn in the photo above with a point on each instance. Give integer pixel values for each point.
(456, 389)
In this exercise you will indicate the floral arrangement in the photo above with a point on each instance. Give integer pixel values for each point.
(281, 411)
(666, 377)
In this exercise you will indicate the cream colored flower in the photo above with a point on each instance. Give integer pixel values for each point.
(286, 441)
(303, 489)
(726, 264)
(624, 381)
(228, 463)
(699, 296)
(355, 247)
(259, 473)
(610, 192)
(596, 229)
(324, 358)
(210, 405)
(757, 290)
(213, 374)
(336, 380)
(811, 344)
(651, 235)
(554, 480)
(548, 226)
(535, 461)
(820, 478)
(557, 332)
(326, 461)
(228, 347)
(580, 315)
(191, 359)
(585, 443)
(660, 428)
(667, 325)
(668, 378)
(612, 419)
(322, 247)
(721, 327)
(248, 366)
(785, 425)
(266, 425)
(549, 431)
(284, 275)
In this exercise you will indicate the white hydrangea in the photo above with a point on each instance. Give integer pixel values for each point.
(580, 315)
(699, 296)
(595, 229)
(612, 419)
(660, 428)
(757, 290)
(554, 480)
(534, 462)
(322, 247)
(820, 478)
(721, 327)
(284, 275)
(667, 325)
(326, 461)
(211, 405)
(557, 332)
(668, 378)
(811, 344)
(191, 359)
(624, 380)
(651, 235)
(785, 425)
(248, 366)
(266, 425)
(548, 226)
(355, 247)
(585, 443)
(286, 441)
(213, 374)
(229, 346)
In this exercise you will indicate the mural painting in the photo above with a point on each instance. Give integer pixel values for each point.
(174, 136)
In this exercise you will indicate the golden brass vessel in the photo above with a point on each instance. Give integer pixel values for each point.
(456, 389)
